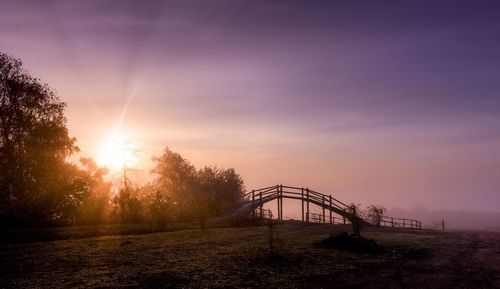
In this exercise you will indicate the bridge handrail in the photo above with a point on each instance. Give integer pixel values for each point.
(311, 192)
(401, 221)
(311, 195)
(333, 199)
(266, 189)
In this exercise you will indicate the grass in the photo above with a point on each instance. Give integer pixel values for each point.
(215, 258)
(80, 232)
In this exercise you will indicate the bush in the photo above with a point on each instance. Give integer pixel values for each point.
(346, 242)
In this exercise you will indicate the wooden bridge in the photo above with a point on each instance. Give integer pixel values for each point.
(332, 209)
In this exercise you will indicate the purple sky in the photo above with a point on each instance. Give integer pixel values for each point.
(386, 102)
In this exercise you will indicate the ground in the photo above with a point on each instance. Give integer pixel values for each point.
(241, 258)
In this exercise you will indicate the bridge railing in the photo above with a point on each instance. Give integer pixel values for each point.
(264, 214)
(325, 219)
(400, 222)
(306, 195)
(295, 192)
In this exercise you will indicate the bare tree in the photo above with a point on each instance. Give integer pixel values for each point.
(375, 214)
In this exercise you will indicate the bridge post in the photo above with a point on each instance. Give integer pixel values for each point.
(261, 205)
(281, 202)
(253, 204)
(323, 201)
(278, 200)
(331, 220)
(307, 204)
(302, 201)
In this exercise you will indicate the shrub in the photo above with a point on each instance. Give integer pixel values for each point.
(346, 242)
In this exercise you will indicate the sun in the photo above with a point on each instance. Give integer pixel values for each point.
(116, 153)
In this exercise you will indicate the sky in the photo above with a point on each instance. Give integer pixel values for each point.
(394, 103)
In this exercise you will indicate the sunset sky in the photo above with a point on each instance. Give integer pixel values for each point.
(387, 102)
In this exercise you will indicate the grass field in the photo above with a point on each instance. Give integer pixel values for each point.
(240, 258)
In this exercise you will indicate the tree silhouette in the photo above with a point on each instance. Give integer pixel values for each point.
(218, 190)
(176, 176)
(36, 184)
(160, 206)
(375, 214)
(356, 221)
(197, 194)
(129, 205)
(94, 207)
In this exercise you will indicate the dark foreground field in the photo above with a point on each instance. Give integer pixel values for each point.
(239, 258)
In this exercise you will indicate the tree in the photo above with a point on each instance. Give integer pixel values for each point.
(200, 194)
(176, 176)
(375, 214)
(357, 221)
(160, 205)
(129, 205)
(220, 189)
(37, 186)
(94, 207)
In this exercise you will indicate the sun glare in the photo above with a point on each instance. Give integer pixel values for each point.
(116, 153)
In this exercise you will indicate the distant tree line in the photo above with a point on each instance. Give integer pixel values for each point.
(40, 187)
